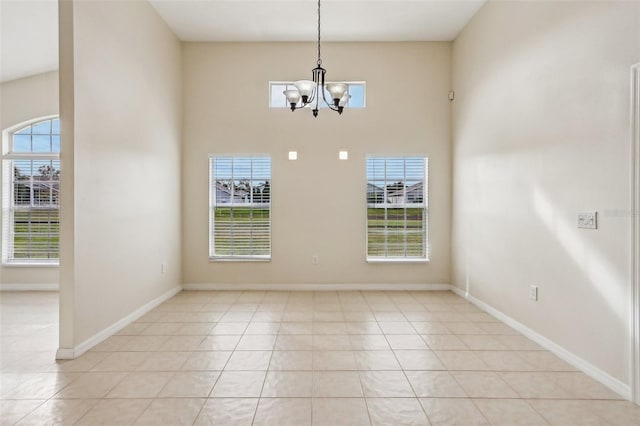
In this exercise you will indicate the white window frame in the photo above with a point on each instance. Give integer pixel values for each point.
(389, 205)
(290, 83)
(213, 257)
(8, 203)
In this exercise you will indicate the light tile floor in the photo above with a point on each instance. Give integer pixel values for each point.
(295, 358)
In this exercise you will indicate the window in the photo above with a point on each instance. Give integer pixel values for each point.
(277, 99)
(397, 208)
(31, 194)
(240, 208)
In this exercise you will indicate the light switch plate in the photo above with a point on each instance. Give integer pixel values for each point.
(587, 220)
(533, 293)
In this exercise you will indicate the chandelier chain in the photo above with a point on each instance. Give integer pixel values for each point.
(319, 60)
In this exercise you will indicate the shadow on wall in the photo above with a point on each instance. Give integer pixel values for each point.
(599, 272)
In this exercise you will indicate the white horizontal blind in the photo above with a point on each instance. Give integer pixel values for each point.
(397, 208)
(240, 208)
(31, 195)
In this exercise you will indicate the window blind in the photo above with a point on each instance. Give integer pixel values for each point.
(397, 208)
(240, 208)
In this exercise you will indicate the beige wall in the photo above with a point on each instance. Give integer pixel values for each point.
(541, 132)
(125, 150)
(226, 112)
(24, 100)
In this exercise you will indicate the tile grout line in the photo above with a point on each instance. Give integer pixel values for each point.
(404, 371)
(398, 361)
(217, 378)
(255, 413)
(366, 402)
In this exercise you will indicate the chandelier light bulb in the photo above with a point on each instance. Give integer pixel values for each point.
(337, 91)
(344, 99)
(306, 89)
(293, 96)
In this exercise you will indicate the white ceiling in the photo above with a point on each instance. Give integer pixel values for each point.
(29, 28)
(296, 20)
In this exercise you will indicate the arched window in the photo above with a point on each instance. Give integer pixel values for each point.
(31, 194)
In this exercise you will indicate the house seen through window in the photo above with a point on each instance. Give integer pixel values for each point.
(31, 194)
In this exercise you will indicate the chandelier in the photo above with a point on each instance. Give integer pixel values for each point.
(311, 91)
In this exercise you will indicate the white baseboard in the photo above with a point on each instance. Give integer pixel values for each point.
(29, 287)
(65, 353)
(315, 287)
(72, 353)
(591, 370)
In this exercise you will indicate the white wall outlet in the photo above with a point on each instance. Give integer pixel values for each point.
(314, 259)
(587, 220)
(533, 292)
(163, 268)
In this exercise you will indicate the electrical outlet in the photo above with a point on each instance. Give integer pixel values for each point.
(533, 292)
(314, 259)
(163, 269)
(587, 220)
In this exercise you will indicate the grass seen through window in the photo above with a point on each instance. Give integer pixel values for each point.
(241, 231)
(402, 236)
(36, 234)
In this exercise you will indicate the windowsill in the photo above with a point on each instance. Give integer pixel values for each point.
(396, 260)
(30, 265)
(239, 259)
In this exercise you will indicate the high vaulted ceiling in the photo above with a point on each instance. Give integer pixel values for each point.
(29, 28)
(296, 20)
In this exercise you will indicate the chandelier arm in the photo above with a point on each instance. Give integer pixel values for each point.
(324, 98)
(303, 105)
(311, 100)
(330, 104)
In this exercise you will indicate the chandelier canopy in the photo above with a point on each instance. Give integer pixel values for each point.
(313, 92)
